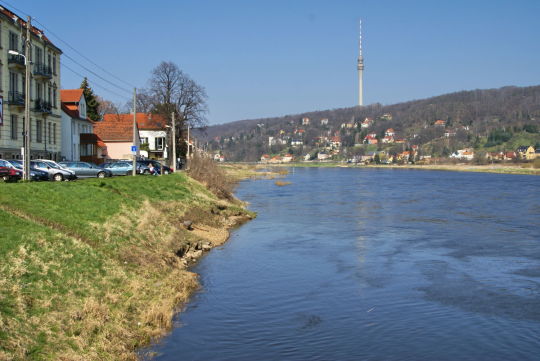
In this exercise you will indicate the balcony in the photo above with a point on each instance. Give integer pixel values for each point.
(16, 61)
(16, 98)
(42, 71)
(41, 106)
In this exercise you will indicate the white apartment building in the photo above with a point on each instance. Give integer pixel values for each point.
(45, 117)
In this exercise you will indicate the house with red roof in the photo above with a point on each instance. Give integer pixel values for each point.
(79, 143)
(440, 123)
(153, 132)
(371, 139)
(116, 132)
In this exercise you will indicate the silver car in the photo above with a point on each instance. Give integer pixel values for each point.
(86, 170)
(56, 171)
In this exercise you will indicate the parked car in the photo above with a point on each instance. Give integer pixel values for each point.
(123, 168)
(8, 173)
(35, 174)
(86, 170)
(160, 168)
(56, 171)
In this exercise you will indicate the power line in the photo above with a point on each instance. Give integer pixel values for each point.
(82, 55)
(99, 76)
(96, 84)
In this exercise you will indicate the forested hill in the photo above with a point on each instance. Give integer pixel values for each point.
(489, 119)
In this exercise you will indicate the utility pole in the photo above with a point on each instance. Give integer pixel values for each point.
(26, 137)
(188, 148)
(173, 143)
(134, 171)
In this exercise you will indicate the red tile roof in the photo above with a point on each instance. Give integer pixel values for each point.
(145, 121)
(71, 95)
(115, 128)
(69, 111)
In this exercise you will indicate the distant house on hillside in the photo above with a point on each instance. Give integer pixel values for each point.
(388, 139)
(387, 116)
(371, 139)
(287, 158)
(464, 154)
(440, 123)
(324, 121)
(368, 122)
(265, 158)
(526, 152)
(389, 132)
(335, 142)
(305, 121)
(323, 156)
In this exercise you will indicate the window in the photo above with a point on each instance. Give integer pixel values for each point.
(54, 133)
(160, 142)
(54, 64)
(39, 130)
(1, 75)
(39, 91)
(54, 95)
(13, 41)
(49, 133)
(13, 82)
(39, 55)
(144, 140)
(14, 124)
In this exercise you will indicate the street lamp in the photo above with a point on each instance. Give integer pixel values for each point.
(26, 134)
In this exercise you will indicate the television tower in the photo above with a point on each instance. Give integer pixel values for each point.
(360, 70)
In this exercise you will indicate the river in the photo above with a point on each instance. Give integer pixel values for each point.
(372, 264)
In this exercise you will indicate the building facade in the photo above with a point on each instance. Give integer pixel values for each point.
(45, 113)
(76, 144)
(116, 133)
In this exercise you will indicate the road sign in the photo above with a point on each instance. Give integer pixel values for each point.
(134, 148)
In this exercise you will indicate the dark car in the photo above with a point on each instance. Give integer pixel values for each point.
(160, 168)
(86, 170)
(35, 174)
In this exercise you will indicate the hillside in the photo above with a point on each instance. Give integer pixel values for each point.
(488, 120)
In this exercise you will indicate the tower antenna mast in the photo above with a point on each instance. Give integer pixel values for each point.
(360, 67)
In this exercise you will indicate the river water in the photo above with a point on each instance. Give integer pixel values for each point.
(368, 264)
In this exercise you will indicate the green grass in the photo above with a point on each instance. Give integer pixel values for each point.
(88, 268)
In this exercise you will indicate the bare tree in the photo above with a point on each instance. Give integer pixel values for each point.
(171, 90)
(145, 102)
(106, 107)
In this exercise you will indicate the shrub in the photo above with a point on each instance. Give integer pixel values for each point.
(206, 171)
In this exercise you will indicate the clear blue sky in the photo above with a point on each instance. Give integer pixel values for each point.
(268, 58)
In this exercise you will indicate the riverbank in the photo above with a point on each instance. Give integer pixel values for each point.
(95, 269)
(490, 168)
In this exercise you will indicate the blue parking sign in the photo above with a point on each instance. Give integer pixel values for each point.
(134, 148)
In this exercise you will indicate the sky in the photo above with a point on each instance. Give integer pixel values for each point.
(260, 59)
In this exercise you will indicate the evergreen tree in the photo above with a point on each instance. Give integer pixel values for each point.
(92, 103)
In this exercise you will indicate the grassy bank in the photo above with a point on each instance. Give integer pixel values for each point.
(94, 269)
(489, 168)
